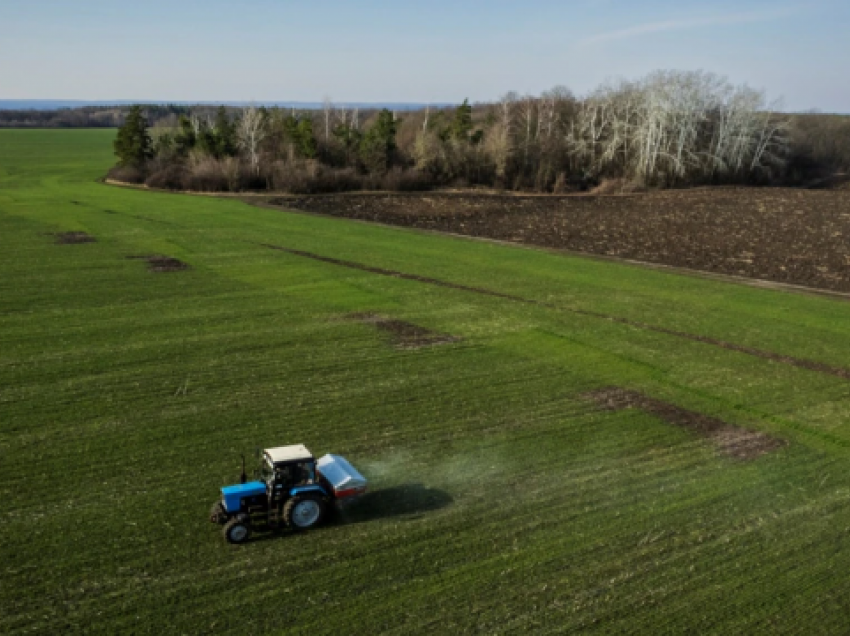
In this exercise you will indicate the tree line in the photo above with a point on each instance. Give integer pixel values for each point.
(84, 116)
(668, 129)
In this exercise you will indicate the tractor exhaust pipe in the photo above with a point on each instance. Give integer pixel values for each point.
(243, 477)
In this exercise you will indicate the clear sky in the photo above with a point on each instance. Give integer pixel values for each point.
(426, 51)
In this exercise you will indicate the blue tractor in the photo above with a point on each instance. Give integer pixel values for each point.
(293, 490)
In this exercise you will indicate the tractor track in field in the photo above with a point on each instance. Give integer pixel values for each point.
(73, 238)
(810, 365)
(395, 274)
(801, 363)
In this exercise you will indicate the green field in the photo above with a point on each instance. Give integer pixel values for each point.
(503, 501)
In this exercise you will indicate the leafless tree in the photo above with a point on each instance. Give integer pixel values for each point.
(195, 122)
(674, 126)
(250, 132)
(499, 143)
(327, 108)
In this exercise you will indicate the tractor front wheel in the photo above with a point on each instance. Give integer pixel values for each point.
(237, 531)
(303, 512)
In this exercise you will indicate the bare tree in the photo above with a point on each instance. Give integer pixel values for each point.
(327, 108)
(250, 133)
(528, 113)
(674, 126)
(195, 122)
(499, 142)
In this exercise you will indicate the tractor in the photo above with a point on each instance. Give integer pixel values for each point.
(292, 490)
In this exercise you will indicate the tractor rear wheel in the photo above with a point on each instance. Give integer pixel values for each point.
(237, 530)
(303, 512)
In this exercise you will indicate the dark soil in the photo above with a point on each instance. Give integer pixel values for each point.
(784, 235)
(409, 336)
(732, 441)
(818, 367)
(404, 335)
(73, 238)
(160, 264)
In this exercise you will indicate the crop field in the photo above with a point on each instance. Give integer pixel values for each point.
(554, 444)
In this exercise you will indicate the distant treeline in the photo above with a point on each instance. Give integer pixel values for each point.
(87, 116)
(669, 129)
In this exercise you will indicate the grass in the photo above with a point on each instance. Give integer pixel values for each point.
(504, 503)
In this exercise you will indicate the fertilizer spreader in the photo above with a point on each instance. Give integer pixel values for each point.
(293, 490)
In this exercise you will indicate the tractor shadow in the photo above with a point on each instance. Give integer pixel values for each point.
(407, 500)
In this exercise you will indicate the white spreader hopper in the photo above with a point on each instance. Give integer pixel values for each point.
(346, 482)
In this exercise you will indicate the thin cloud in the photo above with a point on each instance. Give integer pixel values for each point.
(678, 25)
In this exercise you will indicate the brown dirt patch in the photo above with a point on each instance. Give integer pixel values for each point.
(73, 238)
(731, 441)
(791, 236)
(159, 264)
(404, 335)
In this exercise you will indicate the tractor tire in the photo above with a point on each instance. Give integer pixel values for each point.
(237, 530)
(303, 512)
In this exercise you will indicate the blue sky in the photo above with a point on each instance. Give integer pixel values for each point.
(432, 51)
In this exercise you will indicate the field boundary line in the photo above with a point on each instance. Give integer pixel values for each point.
(459, 192)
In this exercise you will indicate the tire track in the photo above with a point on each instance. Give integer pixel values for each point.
(801, 363)
(402, 275)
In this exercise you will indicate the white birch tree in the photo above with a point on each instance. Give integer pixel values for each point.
(250, 133)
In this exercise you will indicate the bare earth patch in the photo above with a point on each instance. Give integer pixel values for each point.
(73, 238)
(732, 441)
(157, 263)
(404, 335)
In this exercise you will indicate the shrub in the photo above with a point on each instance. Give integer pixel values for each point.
(206, 174)
(126, 174)
(168, 178)
(313, 178)
(399, 180)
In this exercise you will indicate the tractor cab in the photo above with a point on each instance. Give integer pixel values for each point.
(286, 467)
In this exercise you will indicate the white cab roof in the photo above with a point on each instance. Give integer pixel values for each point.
(295, 453)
